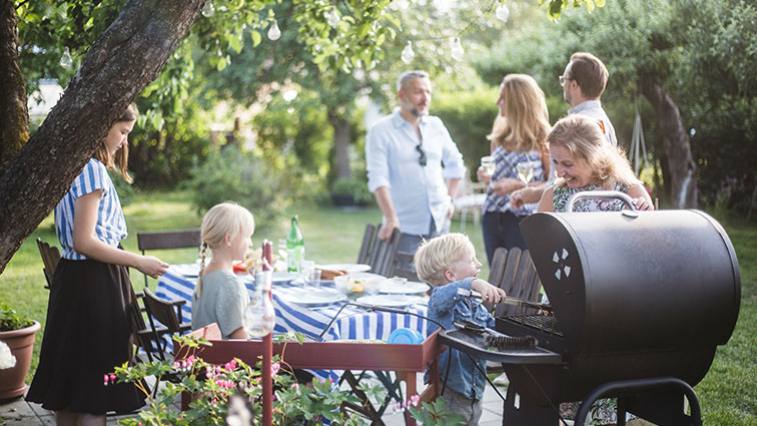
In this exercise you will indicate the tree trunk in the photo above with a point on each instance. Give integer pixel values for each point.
(14, 116)
(342, 140)
(123, 60)
(679, 169)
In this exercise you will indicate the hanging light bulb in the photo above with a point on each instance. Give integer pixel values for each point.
(456, 49)
(66, 61)
(274, 33)
(208, 9)
(407, 53)
(333, 18)
(502, 13)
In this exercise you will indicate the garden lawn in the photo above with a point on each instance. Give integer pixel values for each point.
(728, 393)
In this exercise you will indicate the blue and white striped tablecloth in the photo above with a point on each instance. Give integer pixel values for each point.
(352, 324)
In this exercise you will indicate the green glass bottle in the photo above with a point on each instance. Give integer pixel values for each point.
(295, 247)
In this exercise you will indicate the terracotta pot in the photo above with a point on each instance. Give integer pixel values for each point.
(21, 343)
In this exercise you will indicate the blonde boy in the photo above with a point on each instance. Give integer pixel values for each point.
(449, 263)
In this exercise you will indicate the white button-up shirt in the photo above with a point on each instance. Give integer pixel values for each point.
(593, 109)
(418, 193)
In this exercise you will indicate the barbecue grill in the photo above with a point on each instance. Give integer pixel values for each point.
(641, 300)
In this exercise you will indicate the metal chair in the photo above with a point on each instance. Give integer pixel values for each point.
(50, 258)
(187, 238)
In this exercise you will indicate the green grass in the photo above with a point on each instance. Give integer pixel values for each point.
(728, 393)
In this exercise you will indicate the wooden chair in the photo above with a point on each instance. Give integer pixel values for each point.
(513, 271)
(366, 246)
(402, 266)
(169, 316)
(382, 254)
(167, 240)
(50, 257)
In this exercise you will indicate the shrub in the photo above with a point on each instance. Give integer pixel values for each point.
(242, 177)
(468, 117)
(356, 188)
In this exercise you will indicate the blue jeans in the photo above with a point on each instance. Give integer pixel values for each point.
(501, 230)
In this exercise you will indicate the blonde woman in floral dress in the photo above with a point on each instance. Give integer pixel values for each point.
(583, 162)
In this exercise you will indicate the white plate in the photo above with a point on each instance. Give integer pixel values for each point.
(189, 270)
(347, 267)
(313, 296)
(390, 300)
(400, 286)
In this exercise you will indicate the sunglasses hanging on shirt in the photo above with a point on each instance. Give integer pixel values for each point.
(421, 155)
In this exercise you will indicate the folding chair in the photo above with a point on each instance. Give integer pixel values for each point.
(50, 257)
(169, 317)
(366, 246)
(513, 271)
(167, 240)
(382, 254)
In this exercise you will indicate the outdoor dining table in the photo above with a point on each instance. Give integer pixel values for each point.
(319, 323)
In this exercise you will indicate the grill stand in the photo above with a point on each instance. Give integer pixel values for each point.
(662, 408)
(662, 403)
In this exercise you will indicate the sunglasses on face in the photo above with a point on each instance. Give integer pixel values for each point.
(422, 155)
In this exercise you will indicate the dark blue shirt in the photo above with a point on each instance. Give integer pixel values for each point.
(446, 306)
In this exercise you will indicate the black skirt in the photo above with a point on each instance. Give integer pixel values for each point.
(87, 334)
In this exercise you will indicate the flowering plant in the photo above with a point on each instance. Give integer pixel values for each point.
(230, 393)
(7, 360)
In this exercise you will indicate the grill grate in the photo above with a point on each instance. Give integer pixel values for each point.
(545, 323)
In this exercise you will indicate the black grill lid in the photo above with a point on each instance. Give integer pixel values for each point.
(636, 280)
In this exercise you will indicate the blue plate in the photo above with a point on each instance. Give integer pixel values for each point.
(405, 336)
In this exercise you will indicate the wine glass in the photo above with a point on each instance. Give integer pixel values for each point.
(526, 170)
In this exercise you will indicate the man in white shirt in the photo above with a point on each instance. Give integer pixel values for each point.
(583, 82)
(414, 167)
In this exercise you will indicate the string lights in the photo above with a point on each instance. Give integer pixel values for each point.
(407, 53)
(274, 33)
(208, 9)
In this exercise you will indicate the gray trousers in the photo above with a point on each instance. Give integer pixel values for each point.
(458, 403)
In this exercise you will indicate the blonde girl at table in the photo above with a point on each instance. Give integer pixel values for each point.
(584, 162)
(220, 297)
(87, 331)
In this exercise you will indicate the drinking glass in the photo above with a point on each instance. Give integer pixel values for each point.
(526, 170)
(314, 277)
(487, 165)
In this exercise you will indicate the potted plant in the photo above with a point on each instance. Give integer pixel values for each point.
(17, 333)
(350, 192)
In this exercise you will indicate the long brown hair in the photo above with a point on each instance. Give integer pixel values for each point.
(119, 161)
(526, 122)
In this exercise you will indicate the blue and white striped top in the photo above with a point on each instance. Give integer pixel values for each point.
(505, 166)
(111, 225)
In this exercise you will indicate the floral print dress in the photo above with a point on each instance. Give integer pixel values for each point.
(604, 410)
(562, 194)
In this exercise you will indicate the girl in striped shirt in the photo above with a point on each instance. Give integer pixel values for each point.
(87, 332)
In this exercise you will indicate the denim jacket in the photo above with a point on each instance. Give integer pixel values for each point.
(445, 306)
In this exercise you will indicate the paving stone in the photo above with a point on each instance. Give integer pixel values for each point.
(15, 408)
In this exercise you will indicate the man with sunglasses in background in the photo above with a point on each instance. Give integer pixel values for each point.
(414, 167)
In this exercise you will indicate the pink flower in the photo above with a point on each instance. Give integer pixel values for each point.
(231, 365)
(413, 401)
(112, 377)
(275, 367)
(106, 378)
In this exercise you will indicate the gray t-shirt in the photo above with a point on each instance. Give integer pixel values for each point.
(223, 300)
